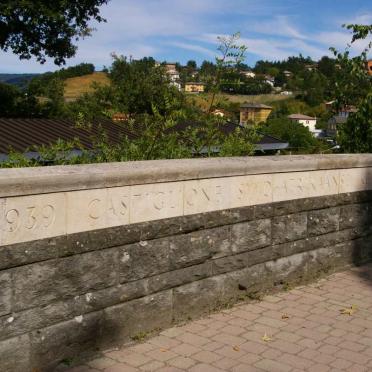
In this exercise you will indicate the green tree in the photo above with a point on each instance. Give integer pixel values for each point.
(354, 88)
(44, 28)
(298, 136)
(231, 55)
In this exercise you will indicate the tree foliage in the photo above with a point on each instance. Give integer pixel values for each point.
(44, 28)
(355, 88)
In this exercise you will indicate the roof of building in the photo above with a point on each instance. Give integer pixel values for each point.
(194, 83)
(266, 142)
(23, 134)
(300, 117)
(255, 105)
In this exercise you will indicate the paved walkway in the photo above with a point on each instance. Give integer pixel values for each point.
(326, 326)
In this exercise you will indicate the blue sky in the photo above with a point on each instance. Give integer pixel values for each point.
(179, 30)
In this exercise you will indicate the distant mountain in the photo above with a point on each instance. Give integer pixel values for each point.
(19, 80)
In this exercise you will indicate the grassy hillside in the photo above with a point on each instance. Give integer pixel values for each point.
(203, 100)
(77, 86)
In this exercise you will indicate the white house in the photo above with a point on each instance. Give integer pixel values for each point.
(307, 121)
(248, 74)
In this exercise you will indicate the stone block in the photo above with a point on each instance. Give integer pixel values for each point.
(143, 259)
(41, 283)
(251, 235)
(241, 261)
(28, 252)
(323, 221)
(198, 297)
(65, 341)
(179, 277)
(97, 209)
(251, 190)
(128, 320)
(15, 354)
(207, 195)
(357, 215)
(197, 247)
(5, 292)
(156, 201)
(288, 228)
(33, 217)
(355, 179)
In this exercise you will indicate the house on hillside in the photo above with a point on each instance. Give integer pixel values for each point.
(288, 74)
(194, 87)
(254, 113)
(307, 121)
(248, 74)
(174, 76)
(270, 80)
(340, 118)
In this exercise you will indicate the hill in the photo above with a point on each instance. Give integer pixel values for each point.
(19, 80)
(77, 86)
(203, 100)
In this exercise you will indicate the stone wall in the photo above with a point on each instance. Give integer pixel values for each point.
(93, 256)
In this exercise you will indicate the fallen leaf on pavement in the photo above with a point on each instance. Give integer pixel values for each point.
(266, 338)
(349, 311)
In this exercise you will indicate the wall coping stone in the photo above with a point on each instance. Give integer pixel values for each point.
(42, 180)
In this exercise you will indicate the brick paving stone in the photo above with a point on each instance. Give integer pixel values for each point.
(318, 368)
(273, 366)
(121, 367)
(226, 363)
(313, 336)
(161, 355)
(295, 361)
(182, 362)
(152, 366)
(185, 349)
(101, 363)
(245, 368)
(204, 368)
(206, 357)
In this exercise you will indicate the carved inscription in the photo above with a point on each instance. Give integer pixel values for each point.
(357, 179)
(35, 217)
(150, 202)
(207, 195)
(32, 217)
(250, 190)
(96, 209)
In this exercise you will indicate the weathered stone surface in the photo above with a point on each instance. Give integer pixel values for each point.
(132, 318)
(143, 259)
(248, 236)
(323, 221)
(41, 283)
(195, 298)
(288, 228)
(25, 253)
(197, 247)
(178, 277)
(355, 215)
(5, 292)
(243, 260)
(65, 341)
(15, 354)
